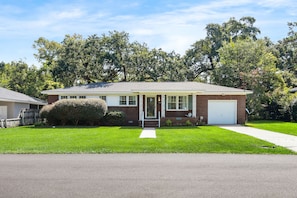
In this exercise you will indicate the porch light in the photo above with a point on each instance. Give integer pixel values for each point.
(159, 98)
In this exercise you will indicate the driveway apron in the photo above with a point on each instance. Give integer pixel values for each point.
(284, 140)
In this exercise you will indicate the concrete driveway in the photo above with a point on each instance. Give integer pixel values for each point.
(284, 140)
(148, 175)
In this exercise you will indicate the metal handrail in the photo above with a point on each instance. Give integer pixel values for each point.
(142, 119)
(159, 119)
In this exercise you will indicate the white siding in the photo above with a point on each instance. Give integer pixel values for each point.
(18, 107)
(112, 101)
(3, 112)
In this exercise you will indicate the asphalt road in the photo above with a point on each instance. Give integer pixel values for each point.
(148, 175)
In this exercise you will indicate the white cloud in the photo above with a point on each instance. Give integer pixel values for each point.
(174, 29)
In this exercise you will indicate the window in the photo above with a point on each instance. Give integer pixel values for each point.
(171, 102)
(182, 102)
(132, 100)
(82, 97)
(177, 102)
(72, 97)
(123, 100)
(63, 97)
(103, 97)
(128, 100)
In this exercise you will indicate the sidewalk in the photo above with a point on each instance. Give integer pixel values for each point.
(148, 133)
(284, 140)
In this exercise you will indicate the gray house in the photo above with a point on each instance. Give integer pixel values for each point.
(11, 103)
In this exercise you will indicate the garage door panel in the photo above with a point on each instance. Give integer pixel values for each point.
(222, 112)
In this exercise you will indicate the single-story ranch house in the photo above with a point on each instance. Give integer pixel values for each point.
(12, 102)
(145, 102)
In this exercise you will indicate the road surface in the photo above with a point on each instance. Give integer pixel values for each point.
(148, 175)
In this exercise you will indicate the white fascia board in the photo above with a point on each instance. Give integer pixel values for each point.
(226, 93)
(23, 101)
(167, 92)
(87, 93)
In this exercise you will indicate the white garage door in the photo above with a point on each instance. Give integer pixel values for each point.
(222, 112)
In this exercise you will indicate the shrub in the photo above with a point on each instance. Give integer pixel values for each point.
(114, 118)
(74, 112)
(168, 122)
(188, 123)
(44, 111)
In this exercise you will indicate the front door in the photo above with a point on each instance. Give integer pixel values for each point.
(150, 107)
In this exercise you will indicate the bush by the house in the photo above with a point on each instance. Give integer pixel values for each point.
(188, 123)
(45, 110)
(75, 111)
(45, 113)
(114, 118)
(168, 122)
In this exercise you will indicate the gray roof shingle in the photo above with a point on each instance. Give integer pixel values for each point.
(147, 87)
(13, 96)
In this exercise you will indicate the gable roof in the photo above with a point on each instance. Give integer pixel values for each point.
(13, 96)
(147, 87)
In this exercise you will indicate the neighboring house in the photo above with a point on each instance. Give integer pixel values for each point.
(11, 103)
(175, 101)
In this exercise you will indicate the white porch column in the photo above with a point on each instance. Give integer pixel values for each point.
(194, 96)
(140, 105)
(163, 106)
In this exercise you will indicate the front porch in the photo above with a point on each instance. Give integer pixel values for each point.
(157, 110)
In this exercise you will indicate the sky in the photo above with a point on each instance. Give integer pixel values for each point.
(167, 24)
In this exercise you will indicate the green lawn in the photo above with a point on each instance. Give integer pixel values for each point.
(204, 139)
(277, 126)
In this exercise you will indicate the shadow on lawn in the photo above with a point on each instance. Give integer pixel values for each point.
(79, 127)
(59, 127)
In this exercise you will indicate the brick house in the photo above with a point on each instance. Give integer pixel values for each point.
(157, 102)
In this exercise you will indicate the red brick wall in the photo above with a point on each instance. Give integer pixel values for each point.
(202, 106)
(52, 98)
(176, 113)
(131, 114)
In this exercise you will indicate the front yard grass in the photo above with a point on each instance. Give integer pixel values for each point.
(276, 126)
(204, 139)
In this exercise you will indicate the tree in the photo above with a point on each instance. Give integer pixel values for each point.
(18, 76)
(141, 62)
(118, 49)
(287, 56)
(80, 60)
(203, 56)
(48, 52)
(249, 64)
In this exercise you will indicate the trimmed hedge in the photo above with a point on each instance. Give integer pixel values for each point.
(114, 118)
(74, 112)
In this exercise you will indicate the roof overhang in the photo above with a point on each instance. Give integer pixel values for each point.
(22, 101)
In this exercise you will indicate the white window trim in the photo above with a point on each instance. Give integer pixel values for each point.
(177, 103)
(102, 97)
(127, 101)
(63, 97)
